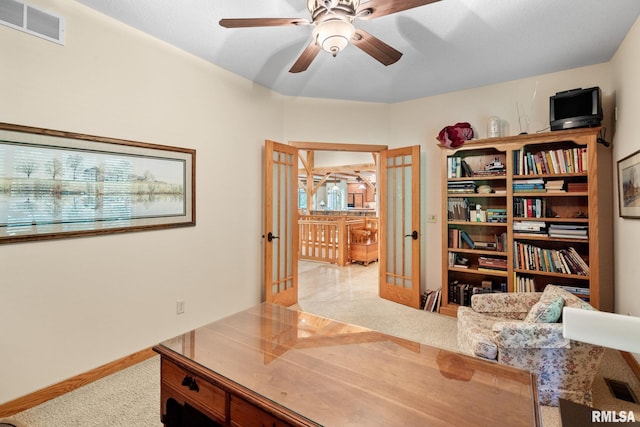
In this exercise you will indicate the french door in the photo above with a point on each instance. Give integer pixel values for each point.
(399, 182)
(399, 235)
(281, 224)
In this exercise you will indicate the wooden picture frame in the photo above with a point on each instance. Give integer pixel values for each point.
(629, 186)
(56, 184)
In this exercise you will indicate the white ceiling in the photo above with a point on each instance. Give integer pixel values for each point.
(449, 45)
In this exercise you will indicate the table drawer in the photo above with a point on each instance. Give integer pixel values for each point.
(245, 414)
(200, 393)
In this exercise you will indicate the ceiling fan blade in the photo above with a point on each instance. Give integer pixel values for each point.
(262, 22)
(305, 59)
(378, 8)
(375, 47)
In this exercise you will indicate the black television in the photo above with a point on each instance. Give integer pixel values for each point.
(575, 108)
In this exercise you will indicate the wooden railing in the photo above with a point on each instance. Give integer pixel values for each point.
(327, 239)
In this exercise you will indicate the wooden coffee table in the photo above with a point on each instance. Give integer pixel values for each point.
(274, 366)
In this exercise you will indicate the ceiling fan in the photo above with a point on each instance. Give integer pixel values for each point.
(333, 22)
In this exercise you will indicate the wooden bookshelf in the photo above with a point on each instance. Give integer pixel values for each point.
(521, 209)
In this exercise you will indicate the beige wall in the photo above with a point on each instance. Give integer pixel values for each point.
(626, 67)
(71, 305)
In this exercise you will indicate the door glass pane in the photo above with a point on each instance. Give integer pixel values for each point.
(274, 224)
(408, 223)
(283, 222)
(399, 221)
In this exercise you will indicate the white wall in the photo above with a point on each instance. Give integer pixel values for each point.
(626, 67)
(71, 305)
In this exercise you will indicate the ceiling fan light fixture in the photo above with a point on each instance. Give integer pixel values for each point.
(333, 35)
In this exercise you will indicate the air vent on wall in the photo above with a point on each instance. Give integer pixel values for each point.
(23, 17)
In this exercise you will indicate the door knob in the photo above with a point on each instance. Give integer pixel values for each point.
(413, 235)
(270, 237)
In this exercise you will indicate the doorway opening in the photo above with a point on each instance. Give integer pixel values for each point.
(398, 171)
(338, 183)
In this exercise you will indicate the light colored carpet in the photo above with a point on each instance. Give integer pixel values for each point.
(131, 397)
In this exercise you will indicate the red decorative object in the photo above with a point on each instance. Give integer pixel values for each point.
(454, 136)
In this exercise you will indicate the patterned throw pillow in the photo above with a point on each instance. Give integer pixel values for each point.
(543, 312)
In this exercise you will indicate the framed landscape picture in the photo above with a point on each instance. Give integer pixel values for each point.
(56, 184)
(629, 186)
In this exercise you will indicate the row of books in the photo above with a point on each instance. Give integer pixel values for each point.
(457, 167)
(458, 209)
(568, 231)
(459, 238)
(554, 186)
(530, 227)
(492, 263)
(496, 215)
(461, 187)
(564, 261)
(524, 284)
(461, 293)
(525, 207)
(576, 290)
(538, 185)
(568, 160)
(529, 185)
(431, 300)
(528, 284)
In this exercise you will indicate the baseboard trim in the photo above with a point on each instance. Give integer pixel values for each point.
(36, 398)
(632, 362)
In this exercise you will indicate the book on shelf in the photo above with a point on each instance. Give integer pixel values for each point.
(458, 209)
(461, 187)
(555, 186)
(530, 227)
(568, 160)
(575, 187)
(575, 289)
(486, 246)
(524, 284)
(457, 261)
(564, 261)
(458, 238)
(492, 263)
(467, 239)
(524, 207)
(568, 231)
(457, 167)
(431, 300)
(460, 293)
(496, 215)
(495, 172)
(466, 169)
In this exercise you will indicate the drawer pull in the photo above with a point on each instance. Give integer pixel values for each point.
(190, 382)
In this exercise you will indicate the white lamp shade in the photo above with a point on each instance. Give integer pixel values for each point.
(333, 35)
(605, 329)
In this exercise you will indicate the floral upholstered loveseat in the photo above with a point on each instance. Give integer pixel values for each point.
(523, 330)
